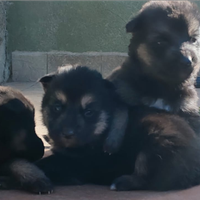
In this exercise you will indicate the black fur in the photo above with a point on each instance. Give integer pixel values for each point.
(159, 149)
(62, 104)
(163, 60)
(166, 152)
(19, 142)
(120, 119)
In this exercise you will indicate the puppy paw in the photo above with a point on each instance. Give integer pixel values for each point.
(40, 186)
(4, 183)
(7, 183)
(30, 178)
(123, 183)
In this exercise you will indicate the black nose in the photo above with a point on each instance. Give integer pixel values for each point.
(186, 61)
(68, 133)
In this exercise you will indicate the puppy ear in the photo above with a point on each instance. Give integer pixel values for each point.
(134, 25)
(46, 80)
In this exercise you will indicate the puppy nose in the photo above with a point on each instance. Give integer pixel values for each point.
(70, 132)
(186, 61)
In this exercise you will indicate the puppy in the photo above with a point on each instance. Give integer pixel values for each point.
(159, 150)
(77, 108)
(19, 143)
(163, 60)
(120, 116)
(83, 96)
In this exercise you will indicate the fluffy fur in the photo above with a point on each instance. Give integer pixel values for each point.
(159, 151)
(163, 59)
(19, 143)
(120, 116)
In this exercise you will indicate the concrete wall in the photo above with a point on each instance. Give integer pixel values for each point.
(36, 29)
(4, 72)
(75, 26)
(30, 66)
(78, 26)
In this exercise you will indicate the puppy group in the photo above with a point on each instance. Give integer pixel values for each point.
(137, 129)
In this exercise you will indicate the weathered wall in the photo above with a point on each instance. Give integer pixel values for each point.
(78, 26)
(4, 72)
(37, 28)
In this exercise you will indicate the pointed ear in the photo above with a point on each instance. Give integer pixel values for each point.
(46, 80)
(134, 25)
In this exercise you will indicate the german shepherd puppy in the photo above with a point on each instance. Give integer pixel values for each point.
(164, 59)
(19, 144)
(119, 121)
(159, 149)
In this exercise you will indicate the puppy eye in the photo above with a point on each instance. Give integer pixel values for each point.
(161, 42)
(193, 39)
(57, 108)
(88, 113)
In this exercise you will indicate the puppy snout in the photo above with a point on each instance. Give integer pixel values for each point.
(68, 133)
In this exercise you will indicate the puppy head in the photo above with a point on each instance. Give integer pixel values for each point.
(77, 106)
(17, 128)
(166, 40)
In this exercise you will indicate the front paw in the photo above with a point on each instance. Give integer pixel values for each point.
(123, 183)
(5, 183)
(39, 186)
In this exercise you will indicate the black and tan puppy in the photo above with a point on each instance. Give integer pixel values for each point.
(78, 108)
(19, 144)
(159, 149)
(119, 121)
(164, 59)
(89, 100)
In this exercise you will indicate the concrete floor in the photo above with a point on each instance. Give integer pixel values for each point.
(33, 91)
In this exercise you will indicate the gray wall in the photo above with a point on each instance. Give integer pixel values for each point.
(64, 26)
(78, 26)
(4, 72)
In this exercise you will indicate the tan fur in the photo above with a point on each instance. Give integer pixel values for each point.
(87, 99)
(143, 53)
(64, 68)
(61, 96)
(101, 124)
(169, 126)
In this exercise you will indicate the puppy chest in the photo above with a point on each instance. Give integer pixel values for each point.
(160, 104)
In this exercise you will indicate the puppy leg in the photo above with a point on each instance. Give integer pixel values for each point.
(62, 170)
(26, 176)
(7, 183)
(117, 130)
(137, 180)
